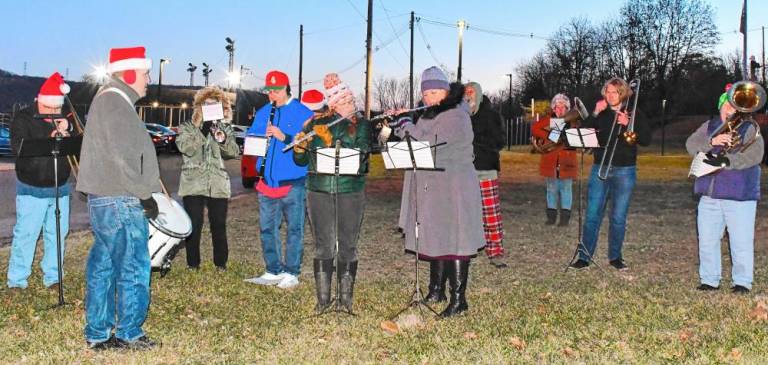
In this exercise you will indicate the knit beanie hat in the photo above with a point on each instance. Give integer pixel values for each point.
(723, 97)
(434, 78)
(560, 98)
(337, 92)
(474, 105)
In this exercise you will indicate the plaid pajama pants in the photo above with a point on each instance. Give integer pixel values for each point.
(492, 226)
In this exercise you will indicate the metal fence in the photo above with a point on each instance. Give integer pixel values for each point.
(518, 132)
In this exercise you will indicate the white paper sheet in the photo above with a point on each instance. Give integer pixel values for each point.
(349, 161)
(700, 168)
(587, 134)
(255, 146)
(213, 112)
(397, 155)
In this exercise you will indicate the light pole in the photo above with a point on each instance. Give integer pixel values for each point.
(191, 69)
(462, 25)
(663, 124)
(163, 61)
(206, 71)
(231, 49)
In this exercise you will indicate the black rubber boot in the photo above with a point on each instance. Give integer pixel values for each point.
(551, 216)
(458, 274)
(437, 279)
(345, 274)
(323, 275)
(565, 217)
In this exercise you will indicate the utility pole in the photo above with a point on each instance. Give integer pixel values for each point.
(369, 63)
(301, 55)
(163, 62)
(206, 71)
(191, 69)
(410, 75)
(462, 25)
(744, 32)
(231, 49)
(764, 84)
(510, 94)
(663, 124)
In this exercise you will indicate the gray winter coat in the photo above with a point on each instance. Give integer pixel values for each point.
(449, 202)
(117, 157)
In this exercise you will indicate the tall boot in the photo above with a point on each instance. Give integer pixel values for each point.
(565, 217)
(551, 216)
(458, 272)
(323, 274)
(437, 278)
(345, 274)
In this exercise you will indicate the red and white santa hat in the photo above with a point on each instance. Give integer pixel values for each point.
(132, 58)
(313, 99)
(53, 90)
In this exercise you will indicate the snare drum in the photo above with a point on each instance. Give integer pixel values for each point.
(166, 231)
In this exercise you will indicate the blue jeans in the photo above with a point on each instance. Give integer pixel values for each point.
(714, 216)
(617, 189)
(32, 214)
(118, 264)
(559, 189)
(271, 213)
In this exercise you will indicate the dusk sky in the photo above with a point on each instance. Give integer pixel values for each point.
(77, 35)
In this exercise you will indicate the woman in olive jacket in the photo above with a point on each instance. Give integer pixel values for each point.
(204, 179)
(335, 204)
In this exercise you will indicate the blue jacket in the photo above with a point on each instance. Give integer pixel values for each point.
(280, 168)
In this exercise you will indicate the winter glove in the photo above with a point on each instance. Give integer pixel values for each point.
(206, 128)
(324, 134)
(150, 208)
(303, 146)
(717, 160)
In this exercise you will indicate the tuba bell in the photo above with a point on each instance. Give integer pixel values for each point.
(746, 97)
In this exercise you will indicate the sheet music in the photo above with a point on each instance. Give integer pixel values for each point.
(700, 168)
(349, 161)
(575, 136)
(213, 112)
(556, 126)
(397, 155)
(255, 146)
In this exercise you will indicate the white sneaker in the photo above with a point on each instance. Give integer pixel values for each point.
(266, 279)
(289, 281)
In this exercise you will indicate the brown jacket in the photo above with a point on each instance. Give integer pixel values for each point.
(560, 156)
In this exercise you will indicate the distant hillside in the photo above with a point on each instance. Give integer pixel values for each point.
(15, 89)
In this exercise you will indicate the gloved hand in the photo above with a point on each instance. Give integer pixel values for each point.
(324, 134)
(206, 128)
(717, 160)
(303, 146)
(150, 208)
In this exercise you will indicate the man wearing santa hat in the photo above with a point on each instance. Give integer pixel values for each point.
(119, 172)
(35, 189)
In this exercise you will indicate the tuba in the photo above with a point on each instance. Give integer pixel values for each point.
(746, 97)
(572, 118)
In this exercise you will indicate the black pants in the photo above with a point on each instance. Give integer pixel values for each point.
(321, 218)
(217, 217)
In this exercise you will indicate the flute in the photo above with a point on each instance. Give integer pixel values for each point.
(269, 124)
(312, 133)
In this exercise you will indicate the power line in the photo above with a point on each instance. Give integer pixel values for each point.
(389, 20)
(484, 29)
(429, 47)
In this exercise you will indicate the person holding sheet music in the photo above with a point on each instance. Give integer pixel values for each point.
(558, 166)
(340, 216)
(728, 200)
(204, 145)
(620, 182)
(450, 211)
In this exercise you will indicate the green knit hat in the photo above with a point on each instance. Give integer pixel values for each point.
(724, 97)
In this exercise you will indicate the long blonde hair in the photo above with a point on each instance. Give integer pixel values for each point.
(210, 92)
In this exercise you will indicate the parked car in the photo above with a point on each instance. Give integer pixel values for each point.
(5, 140)
(163, 137)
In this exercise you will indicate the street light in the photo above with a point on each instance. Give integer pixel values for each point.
(191, 69)
(100, 74)
(206, 71)
(163, 61)
(231, 49)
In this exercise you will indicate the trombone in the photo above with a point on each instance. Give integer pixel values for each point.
(629, 135)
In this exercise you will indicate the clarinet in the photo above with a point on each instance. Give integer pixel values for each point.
(269, 124)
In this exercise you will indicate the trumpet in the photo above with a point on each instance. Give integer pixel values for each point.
(218, 134)
(629, 136)
(572, 118)
(746, 97)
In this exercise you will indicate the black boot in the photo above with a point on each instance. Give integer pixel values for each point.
(565, 217)
(458, 272)
(345, 274)
(551, 216)
(323, 275)
(437, 278)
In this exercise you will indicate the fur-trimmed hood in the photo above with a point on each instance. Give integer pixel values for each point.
(454, 98)
(215, 93)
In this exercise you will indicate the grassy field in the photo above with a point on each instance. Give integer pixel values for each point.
(532, 312)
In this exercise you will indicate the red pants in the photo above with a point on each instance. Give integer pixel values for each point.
(494, 233)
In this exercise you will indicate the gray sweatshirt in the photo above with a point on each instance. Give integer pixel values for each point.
(117, 157)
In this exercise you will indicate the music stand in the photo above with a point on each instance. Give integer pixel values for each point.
(423, 162)
(69, 146)
(581, 139)
(349, 167)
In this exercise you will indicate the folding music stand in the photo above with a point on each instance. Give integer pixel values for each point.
(339, 168)
(57, 146)
(581, 139)
(424, 162)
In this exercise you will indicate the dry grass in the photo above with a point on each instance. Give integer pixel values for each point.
(532, 312)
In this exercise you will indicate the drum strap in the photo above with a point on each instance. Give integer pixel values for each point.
(119, 92)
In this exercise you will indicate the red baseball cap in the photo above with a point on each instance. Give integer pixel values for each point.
(275, 80)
